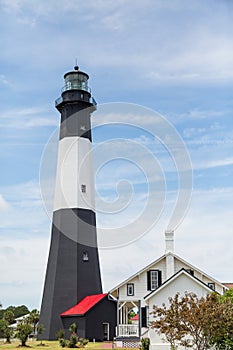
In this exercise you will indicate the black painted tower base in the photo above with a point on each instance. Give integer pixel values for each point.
(70, 277)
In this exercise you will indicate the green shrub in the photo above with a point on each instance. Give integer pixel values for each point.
(60, 334)
(73, 340)
(83, 342)
(73, 328)
(62, 342)
(145, 344)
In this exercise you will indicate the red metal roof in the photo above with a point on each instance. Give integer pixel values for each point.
(135, 318)
(229, 285)
(84, 305)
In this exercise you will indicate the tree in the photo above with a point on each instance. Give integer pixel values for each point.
(40, 330)
(17, 310)
(5, 330)
(223, 337)
(9, 316)
(228, 295)
(23, 330)
(168, 321)
(34, 317)
(193, 322)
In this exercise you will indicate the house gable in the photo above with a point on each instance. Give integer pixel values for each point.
(180, 282)
(202, 276)
(139, 280)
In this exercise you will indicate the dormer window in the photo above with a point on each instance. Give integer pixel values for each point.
(85, 256)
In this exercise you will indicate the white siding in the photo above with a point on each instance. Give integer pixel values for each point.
(200, 275)
(140, 284)
(181, 284)
(140, 280)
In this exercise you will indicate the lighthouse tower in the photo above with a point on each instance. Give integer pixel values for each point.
(73, 265)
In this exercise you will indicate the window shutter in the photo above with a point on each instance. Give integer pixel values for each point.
(159, 278)
(144, 316)
(148, 281)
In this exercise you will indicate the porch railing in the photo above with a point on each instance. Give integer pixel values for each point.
(127, 330)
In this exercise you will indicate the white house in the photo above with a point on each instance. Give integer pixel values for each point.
(182, 281)
(152, 285)
(18, 320)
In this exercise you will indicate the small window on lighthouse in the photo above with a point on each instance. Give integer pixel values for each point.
(83, 188)
(85, 256)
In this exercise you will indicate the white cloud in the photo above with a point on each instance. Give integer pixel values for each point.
(4, 80)
(22, 280)
(201, 53)
(206, 231)
(24, 215)
(214, 163)
(4, 205)
(27, 118)
(209, 230)
(200, 114)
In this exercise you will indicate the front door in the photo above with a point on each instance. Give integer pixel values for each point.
(105, 331)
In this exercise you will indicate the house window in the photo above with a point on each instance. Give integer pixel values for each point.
(211, 285)
(154, 279)
(190, 271)
(83, 188)
(85, 256)
(130, 289)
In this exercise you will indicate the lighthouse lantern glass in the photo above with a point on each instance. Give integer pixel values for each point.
(76, 81)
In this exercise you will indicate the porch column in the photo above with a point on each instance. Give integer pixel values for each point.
(117, 329)
(139, 318)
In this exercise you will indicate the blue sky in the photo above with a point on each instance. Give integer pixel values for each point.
(173, 57)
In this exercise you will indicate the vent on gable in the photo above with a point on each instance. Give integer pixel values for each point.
(211, 285)
(190, 271)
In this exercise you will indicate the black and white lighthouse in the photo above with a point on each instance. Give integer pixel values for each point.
(73, 271)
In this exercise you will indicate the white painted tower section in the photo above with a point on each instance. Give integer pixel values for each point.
(74, 181)
(169, 251)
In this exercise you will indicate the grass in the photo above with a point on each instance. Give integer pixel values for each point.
(49, 345)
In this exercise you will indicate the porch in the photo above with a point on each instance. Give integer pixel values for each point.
(127, 329)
